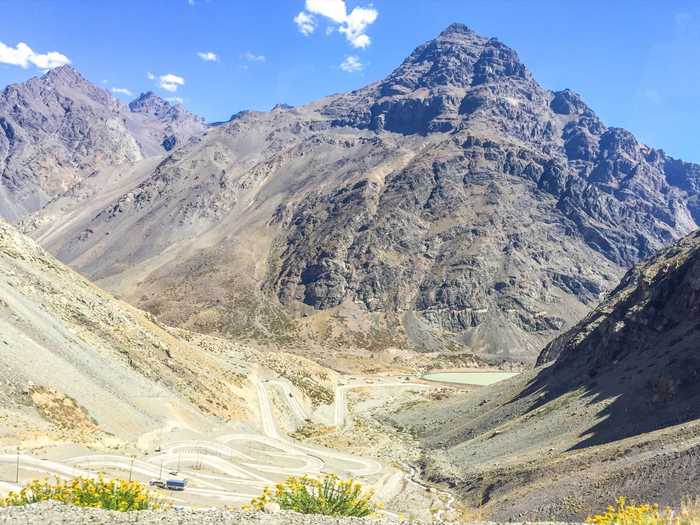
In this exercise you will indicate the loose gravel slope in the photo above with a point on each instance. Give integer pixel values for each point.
(56, 514)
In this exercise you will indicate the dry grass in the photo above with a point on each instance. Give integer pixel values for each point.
(470, 515)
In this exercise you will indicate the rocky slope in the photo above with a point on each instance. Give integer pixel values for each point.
(57, 514)
(455, 204)
(58, 129)
(616, 413)
(78, 365)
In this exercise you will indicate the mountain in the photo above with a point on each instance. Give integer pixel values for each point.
(78, 365)
(161, 125)
(616, 411)
(455, 206)
(58, 129)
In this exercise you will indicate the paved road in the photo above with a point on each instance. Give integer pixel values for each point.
(216, 470)
(35, 464)
(365, 467)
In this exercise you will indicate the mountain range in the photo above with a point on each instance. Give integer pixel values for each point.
(455, 206)
(59, 129)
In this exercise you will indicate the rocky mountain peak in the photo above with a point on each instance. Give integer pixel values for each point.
(568, 102)
(426, 93)
(65, 74)
(64, 81)
(55, 130)
(459, 57)
(152, 104)
(176, 124)
(456, 29)
(447, 60)
(76, 128)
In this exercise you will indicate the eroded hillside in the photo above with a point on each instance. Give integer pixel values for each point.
(77, 364)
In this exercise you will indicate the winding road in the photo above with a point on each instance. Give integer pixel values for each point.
(366, 467)
(230, 468)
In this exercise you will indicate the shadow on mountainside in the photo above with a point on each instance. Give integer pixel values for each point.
(637, 355)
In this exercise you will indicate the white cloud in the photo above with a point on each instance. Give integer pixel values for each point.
(333, 9)
(170, 82)
(150, 76)
(353, 25)
(305, 22)
(23, 56)
(352, 64)
(208, 56)
(252, 57)
(177, 100)
(123, 91)
(356, 23)
(49, 60)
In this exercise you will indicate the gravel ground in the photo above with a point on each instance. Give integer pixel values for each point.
(50, 513)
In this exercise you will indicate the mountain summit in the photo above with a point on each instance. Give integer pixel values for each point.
(454, 205)
(171, 124)
(426, 93)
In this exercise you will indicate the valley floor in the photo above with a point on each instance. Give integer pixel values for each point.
(230, 465)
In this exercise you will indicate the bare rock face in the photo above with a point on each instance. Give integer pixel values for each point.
(455, 204)
(58, 129)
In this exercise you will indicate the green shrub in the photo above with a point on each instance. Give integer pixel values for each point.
(329, 496)
(648, 514)
(114, 494)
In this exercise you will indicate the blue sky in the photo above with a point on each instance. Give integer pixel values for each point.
(636, 63)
